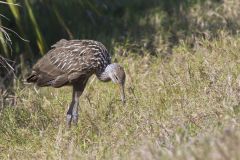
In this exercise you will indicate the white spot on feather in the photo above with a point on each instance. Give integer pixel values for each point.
(84, 50)
(56, 61)
(75, 50)
(58, 65)
(69, 66)
(63, 66)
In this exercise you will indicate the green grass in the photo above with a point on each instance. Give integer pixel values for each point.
(185, 106)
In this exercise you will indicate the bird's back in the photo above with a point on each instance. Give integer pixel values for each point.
(70, 60)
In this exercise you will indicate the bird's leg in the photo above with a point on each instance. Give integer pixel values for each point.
(72, 113)
(76, 107)
(69, 114)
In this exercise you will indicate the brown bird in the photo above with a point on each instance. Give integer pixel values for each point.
(72, 62)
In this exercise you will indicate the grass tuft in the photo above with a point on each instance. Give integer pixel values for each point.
(185, 106)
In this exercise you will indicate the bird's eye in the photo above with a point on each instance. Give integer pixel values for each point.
(116, 77)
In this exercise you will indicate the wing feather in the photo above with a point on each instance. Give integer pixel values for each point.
(72, 59)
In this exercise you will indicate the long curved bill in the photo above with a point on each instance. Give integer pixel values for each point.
(122, 93)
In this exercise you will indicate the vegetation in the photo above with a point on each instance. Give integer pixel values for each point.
(155, 23)
(183, 82)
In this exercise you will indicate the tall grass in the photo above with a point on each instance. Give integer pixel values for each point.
(145, 23)
(182, 107)
(183, 79)
(40, 40)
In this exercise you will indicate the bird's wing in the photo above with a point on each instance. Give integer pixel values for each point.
(44, 72)
(45, 66)
(79, 56)
(74, 58)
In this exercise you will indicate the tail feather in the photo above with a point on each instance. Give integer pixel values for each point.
(42, 79)
(33, 77)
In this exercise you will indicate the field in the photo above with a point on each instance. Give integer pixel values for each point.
(185, 106)
(182, 64)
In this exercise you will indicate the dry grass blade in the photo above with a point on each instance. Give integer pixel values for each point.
(2, 29)
(7, 3)
(6, 40)
(6, 36)
(5, 63)
(1, 15)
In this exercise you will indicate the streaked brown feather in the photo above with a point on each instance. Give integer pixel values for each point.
(67, 61)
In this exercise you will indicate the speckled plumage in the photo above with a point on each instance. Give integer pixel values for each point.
(72, 62)
(69, 60)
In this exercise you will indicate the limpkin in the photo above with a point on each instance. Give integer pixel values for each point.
(72, 62)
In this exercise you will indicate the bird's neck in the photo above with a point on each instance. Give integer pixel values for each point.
(105, 75)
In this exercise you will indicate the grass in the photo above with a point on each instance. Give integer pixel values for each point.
(185, 106)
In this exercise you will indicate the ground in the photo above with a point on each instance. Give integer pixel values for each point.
(182, 106)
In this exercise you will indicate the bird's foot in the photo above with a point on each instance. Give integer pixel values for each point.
(72, 119)
(75, 119)
(69, 120)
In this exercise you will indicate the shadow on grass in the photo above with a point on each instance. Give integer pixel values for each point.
(138, 26)
(108, 22)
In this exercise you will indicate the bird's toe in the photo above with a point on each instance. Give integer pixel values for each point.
(75, 119)
(69, 120)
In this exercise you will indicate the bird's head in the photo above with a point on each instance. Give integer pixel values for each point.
(117, 75)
